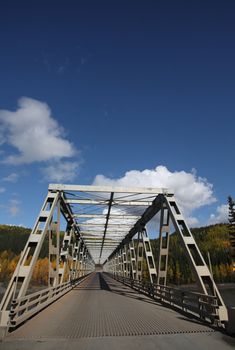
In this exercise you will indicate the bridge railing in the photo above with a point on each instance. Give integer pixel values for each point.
(200, 305)
(27, 306)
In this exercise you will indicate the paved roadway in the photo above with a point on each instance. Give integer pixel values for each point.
(101, 313)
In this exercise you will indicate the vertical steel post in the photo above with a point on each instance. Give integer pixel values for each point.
(133, 272)
(139, 270)
(116, 263)
(149, 256)
(81, 260)
(119, 263)
(124, 259)
(128, 261)
(65, 254)
(164, 238)
(75, 267)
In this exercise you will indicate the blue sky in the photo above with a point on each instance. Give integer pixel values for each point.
(138, 92)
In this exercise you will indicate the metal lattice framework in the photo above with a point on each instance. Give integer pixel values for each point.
(105, 226)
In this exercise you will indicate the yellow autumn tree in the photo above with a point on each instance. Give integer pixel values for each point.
(40, 273)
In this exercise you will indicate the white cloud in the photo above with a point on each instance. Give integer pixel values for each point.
(2, 137)
(221, 215)
(61, 171)
(13, 177)
(2, 189)
(14, 207)
(33, 132)
(192, 221)
(191, 191)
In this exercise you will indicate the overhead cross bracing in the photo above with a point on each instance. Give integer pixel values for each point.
(106, 215)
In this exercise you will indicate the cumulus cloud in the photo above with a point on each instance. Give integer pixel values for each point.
(61, 171)
(33, 132)
(13, 177)
(2, 136)
(191, 191)
(221, 215)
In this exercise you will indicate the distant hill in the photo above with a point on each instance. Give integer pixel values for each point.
(213, 239)
(13, 238)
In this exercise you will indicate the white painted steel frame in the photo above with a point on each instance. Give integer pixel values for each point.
(101, 224)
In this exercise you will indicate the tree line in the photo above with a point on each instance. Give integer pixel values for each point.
(214, 239)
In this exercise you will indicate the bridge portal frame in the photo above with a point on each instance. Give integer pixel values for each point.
(106, 235)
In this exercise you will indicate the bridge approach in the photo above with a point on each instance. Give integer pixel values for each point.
(102, 313)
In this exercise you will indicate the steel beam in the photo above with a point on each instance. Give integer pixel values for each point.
(103, 216)
(106, 224)
(105, 202)
(109, 189)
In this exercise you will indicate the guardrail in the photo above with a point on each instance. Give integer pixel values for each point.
(27, 306)
(200, 305)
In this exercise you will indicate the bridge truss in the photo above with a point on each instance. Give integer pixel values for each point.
(105, 226)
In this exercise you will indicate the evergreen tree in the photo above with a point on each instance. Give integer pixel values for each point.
(231, 209)
(231, 219)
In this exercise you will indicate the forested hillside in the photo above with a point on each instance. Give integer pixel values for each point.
(13, 238)
(12, 242)
(213, 239)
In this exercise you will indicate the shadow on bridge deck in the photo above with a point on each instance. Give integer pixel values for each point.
(101, 313)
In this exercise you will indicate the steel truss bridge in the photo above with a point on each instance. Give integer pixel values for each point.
(105, 287)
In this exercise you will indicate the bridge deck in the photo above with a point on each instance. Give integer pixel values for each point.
(101, 313)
